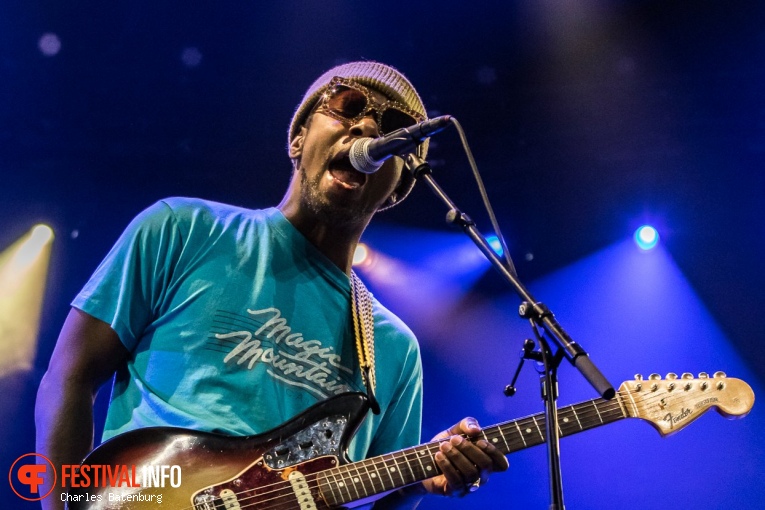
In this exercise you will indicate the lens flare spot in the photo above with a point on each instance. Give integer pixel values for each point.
(646, 237)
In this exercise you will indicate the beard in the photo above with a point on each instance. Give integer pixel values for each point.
(344, 215)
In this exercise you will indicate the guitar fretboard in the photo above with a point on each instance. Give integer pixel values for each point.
(359, 480)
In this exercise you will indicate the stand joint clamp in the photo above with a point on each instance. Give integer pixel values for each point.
(459, 218)
(535, 312)
(527, 352)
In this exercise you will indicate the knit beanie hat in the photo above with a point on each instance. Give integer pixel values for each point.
(383, 78)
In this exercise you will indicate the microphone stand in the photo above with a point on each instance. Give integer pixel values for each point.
(539, 316)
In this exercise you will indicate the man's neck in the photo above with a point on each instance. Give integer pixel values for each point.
(336, 242)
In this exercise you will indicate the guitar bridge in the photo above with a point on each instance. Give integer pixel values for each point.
(318, 439)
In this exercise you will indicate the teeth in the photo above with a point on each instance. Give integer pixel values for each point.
(345, 178)
(346, 185)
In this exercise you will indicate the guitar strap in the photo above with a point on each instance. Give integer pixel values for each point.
(364, 333)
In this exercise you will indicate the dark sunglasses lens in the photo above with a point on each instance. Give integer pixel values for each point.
(347, 102)
(393, 119)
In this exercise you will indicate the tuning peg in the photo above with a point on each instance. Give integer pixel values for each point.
(671, 376)
(638, 377)
(687, 375)
(654, 377)
(720, 375)
(703, 375)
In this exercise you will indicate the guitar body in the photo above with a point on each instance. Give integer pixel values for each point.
(269, 470)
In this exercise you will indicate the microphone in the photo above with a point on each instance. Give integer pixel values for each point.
(368, 154)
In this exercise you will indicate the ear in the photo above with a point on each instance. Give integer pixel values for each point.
(296, 145)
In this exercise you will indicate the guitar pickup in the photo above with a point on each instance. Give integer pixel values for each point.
(281, 450)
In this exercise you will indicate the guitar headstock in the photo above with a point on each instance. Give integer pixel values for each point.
(675, 401)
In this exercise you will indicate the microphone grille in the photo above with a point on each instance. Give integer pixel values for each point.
(359, 156)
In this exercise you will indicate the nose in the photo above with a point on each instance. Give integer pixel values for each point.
(366, 126)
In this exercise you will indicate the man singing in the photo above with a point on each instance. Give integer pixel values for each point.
(230, 320)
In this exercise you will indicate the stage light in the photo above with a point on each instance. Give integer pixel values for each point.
(495, 245)
(362, 255)
(646, 237)
(29, 248)
(23, 271)
(49, 44)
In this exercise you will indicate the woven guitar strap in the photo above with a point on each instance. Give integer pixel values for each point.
(364, 332)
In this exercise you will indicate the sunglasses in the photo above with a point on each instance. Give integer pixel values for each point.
(349, 102)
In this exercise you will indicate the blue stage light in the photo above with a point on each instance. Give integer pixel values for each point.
(646, 237)
(495, 245)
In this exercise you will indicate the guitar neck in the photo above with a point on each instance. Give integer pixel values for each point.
(359, 480)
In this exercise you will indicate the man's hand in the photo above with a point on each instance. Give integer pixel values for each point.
(464, 464)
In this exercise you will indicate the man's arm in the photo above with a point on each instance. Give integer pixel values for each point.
(87, 353)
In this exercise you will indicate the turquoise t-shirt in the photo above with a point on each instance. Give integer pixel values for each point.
(236, 323)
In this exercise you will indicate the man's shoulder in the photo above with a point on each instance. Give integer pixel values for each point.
(190, 207)
(196, 211)
(390, 324)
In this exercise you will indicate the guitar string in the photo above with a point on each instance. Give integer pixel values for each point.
(589, 411)
(606, 407)
(431, 447)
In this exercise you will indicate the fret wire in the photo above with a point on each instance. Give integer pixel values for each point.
(333, 485)
(418, 472)
(576, 415)
(325, 487)
(525, 426)
(596, 410)
(504, 438)
(376, 466)
(387, 470)
(621, 405)
(510, 438)
(430, 455)
(340, 484)
(348, 481)
(358, 480)
(398, 470)
(589, 420)
(418, 453)
(563, 422)
(408, 469)
(541, 434)
(520, 432)
(614, 413)
(517, 440)
(371, 478)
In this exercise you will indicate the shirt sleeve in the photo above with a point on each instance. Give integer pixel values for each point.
(128, 287)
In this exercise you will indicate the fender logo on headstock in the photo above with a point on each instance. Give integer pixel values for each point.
(678, 417)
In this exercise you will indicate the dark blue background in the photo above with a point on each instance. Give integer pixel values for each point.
(586, 118)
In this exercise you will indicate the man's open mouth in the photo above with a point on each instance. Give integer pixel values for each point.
(344, 173)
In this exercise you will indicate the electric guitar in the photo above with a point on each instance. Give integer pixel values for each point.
(303, 465)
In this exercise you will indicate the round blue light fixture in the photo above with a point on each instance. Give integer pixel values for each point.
(646, 237)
